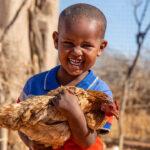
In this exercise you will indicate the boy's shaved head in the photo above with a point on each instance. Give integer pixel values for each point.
(82, 10)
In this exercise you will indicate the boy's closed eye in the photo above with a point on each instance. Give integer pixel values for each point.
(68, 43)
(86, 46)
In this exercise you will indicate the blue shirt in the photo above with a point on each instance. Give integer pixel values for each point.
(42, 83)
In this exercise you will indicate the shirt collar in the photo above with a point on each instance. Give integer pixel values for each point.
(51, 83)
(87, 81)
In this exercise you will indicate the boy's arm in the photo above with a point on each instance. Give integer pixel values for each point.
(67, 104)
(25, 139)
(32, 144)
(83, 136)
(29, 143)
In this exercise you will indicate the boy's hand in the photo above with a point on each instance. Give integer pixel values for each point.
(67, 103)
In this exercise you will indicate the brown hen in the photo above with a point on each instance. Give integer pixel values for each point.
(38, 118)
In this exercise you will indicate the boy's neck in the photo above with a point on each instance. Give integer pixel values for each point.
(63, 78)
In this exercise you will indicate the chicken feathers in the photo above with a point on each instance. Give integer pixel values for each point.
(38, 118)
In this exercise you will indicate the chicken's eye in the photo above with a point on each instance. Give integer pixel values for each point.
(110, 107)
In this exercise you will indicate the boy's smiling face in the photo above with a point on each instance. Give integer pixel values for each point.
(79, 42)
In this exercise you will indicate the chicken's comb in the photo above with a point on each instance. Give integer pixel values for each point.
(117, 107)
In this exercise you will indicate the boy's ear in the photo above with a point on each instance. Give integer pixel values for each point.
(55, 38)
(102, 47)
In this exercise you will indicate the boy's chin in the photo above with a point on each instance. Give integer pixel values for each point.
(75, 73)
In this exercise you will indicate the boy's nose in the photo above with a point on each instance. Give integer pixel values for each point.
(77, 51)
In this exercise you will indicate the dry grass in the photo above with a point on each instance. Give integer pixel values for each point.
(136, 126)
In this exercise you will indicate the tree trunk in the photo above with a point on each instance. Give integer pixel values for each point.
(26, 48)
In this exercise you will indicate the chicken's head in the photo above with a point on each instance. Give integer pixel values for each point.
(110, 109)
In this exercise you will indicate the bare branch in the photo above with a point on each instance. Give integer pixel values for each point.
(144, 11)
(147, 29)
(135, 15)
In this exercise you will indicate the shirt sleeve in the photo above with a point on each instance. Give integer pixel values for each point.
(106, 128)
(24, 94)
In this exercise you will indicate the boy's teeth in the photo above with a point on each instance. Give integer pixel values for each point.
(75, 62)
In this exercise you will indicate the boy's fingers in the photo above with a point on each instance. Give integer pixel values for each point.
(56, 99)
(62, 92)
(70, 91)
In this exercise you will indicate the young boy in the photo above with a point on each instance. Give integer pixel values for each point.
(79, 40)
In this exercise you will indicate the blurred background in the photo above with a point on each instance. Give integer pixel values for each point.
(26, 48)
